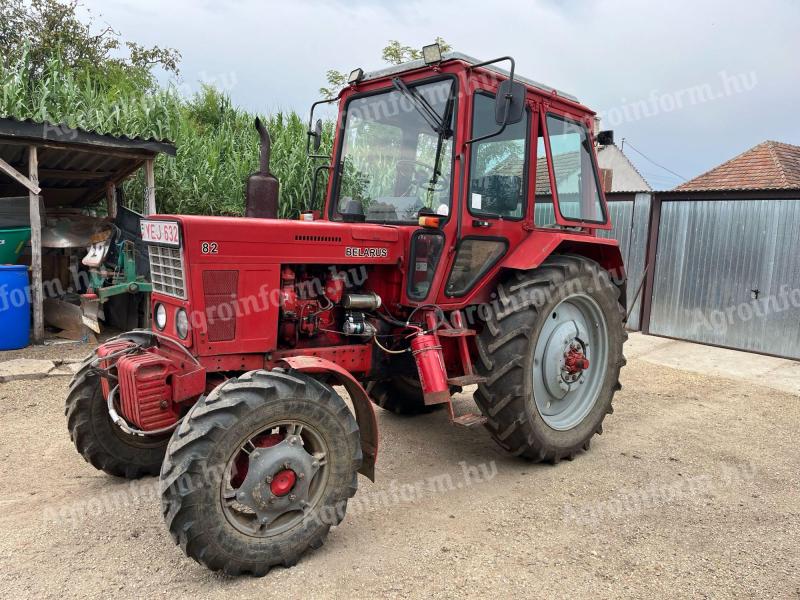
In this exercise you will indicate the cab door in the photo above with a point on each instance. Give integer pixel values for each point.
(574, 196)
(495, 207)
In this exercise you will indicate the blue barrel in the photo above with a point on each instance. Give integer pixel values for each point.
(15, 307)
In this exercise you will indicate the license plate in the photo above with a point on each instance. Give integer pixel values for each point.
(161, 232)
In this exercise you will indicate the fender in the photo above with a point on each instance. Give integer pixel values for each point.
(364, 409)
(534, 250)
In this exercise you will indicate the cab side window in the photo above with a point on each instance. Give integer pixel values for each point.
(544, 214)
(497, 165)
(573, 168)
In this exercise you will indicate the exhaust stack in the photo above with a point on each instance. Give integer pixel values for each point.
(262, 187)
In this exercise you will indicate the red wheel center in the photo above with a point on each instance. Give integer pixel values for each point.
(283, 482)
(575, 361)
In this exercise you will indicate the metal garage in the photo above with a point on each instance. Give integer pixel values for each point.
(724, 250)
(630, 215)
(727, 272)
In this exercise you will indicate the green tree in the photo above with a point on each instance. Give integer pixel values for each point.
(393, 53)
(396, 53)
(42, 30)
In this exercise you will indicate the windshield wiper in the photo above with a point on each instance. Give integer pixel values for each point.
(437, 169)
(423, 107)
(439, 123)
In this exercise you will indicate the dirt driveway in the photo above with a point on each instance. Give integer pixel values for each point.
(691, 491)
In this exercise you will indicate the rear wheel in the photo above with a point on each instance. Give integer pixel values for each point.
(259, 471)
(552, 356)
(101, 443)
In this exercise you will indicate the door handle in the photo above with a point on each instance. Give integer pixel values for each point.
(479, 223)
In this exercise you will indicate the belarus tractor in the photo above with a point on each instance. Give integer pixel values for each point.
(458, 244)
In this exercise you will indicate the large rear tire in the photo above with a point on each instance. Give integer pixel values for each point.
(539, 400)
(259, 471)
(101, 443)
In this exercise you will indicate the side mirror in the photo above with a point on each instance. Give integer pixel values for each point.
(317, 134)
(509, 106)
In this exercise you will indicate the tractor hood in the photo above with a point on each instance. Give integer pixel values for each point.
(278, 241)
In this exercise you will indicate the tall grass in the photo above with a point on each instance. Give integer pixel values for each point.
(217, 144)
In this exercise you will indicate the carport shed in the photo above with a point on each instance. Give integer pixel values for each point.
(57, 166)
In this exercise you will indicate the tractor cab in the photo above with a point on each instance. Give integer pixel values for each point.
(470, 159)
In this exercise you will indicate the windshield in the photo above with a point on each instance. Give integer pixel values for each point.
(396, 161)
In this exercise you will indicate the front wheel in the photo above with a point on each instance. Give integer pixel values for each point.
(551, 357)
(259, 471)
(99, 440)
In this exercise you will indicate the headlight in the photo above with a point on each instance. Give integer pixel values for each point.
(161, 316)
(182, 323)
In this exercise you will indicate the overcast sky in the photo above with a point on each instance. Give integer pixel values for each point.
(688, 83)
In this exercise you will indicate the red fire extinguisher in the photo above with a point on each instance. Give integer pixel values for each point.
(427, 352)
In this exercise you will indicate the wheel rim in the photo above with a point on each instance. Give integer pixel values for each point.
(569, 362)
(275, 478)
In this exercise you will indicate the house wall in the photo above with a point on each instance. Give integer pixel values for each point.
(625, 177)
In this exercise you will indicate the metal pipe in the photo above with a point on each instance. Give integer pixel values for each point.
(122, 424)
(369, 301)
(266, 146)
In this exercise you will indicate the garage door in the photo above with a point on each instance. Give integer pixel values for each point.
(727, 272)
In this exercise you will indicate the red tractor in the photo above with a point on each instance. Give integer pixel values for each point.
(458, 244)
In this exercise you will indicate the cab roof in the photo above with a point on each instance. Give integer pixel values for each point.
(448, 56)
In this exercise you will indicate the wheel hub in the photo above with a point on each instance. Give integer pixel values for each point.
(283, 482)
(278, 479)
(575, 362)
(564, 358)
(573, 337)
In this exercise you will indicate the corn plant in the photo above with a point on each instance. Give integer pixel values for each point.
(217, 144)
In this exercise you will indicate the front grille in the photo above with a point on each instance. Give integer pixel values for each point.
(220, 291)
(166, 271)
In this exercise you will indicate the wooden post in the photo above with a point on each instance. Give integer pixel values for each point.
(36, 248)
(111, 199)
(150, 187)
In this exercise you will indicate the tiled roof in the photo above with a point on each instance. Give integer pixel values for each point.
(770, 165)
(566, 165)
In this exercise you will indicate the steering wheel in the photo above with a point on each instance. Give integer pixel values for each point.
(441, 184)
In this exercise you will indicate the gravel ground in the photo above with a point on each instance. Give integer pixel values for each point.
(691, 491)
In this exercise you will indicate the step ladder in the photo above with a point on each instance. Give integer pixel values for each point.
(461, 334)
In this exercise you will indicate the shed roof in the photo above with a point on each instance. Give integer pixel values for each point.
(74, 164)
(768, 166)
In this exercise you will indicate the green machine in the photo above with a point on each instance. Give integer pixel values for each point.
(118, 289)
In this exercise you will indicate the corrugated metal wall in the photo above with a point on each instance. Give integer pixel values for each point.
(711, 257)
(629, 219)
